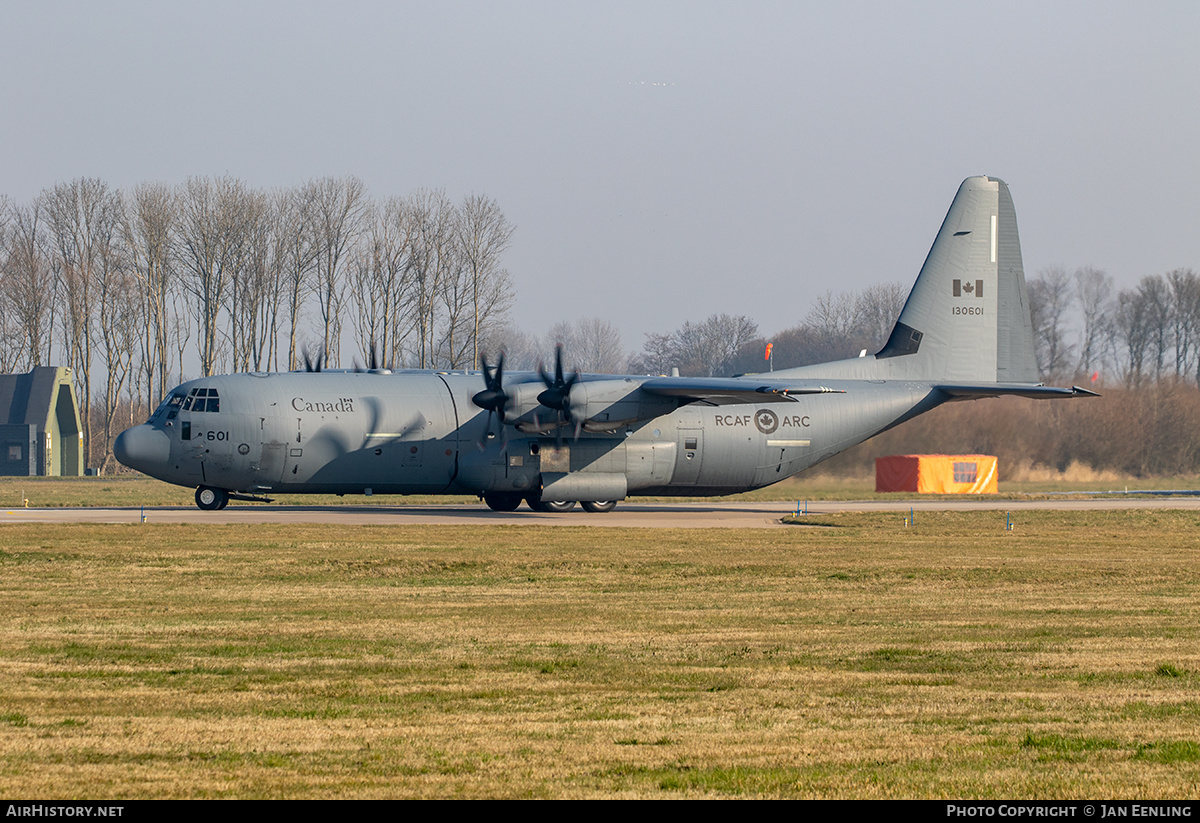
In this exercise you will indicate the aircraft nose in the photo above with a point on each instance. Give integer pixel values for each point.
(142, 447)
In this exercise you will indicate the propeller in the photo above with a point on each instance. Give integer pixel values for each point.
(557, 395)
(311, 363)
(493, 397)
(372, 360)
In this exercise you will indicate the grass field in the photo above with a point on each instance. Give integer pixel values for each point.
(848, 658)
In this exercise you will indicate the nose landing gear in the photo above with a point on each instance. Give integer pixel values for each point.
(210, 499)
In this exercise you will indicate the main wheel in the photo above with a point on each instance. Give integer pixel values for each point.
(210, 499)
(502, 501)
(539, 505)
(596, 506)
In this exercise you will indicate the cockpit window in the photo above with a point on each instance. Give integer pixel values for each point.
(202, 400)
(169, 406)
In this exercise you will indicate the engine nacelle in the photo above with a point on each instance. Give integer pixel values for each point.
(601, 405)
(606, 405)
(525, 412)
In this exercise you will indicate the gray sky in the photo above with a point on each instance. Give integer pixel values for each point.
(662, 161)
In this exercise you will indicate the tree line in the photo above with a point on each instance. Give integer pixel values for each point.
(124, 287)
(1085, 329)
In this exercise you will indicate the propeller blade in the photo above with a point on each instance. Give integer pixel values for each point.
(487, 429)
(558, 391)
(312, 364)
(493, 398)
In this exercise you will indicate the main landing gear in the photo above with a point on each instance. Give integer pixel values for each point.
(598, 506)
(502, 501)
(509, 501)
(210, 499)
(538, 505)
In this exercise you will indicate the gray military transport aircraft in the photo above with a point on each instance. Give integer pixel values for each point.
(554, 441)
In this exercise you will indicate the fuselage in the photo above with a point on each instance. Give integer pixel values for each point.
(377, 432)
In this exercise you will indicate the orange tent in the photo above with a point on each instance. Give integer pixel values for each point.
(936, 473)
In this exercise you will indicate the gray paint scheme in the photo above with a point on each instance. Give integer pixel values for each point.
(964, 333)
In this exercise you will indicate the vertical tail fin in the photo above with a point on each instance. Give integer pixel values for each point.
(965, 326)
(967, 317)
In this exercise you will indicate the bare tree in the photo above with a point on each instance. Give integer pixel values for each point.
(474, 291)
(1050, 297)
(29, 288)
(252, 286)
(707, 348)
(657, 356)
(276, 276)
(214, 231)
(432, 257)
(1185, 318)
(336, 208)
(149, 227)
(379, 285)
(1093, 291)
(83, 218)
(484, 234)
(296, 256)
(590, 344)
(180, 332)
(522, 351)
(1155, 296)
(876, 309)
(121, 329)
(9, 333)
(833, 319)
(455, 342)
(1131, 323)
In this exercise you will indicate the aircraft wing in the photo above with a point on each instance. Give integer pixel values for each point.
(970, 391)
(722, 391)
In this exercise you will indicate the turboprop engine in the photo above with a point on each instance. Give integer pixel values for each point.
(594, 406)
(591, 406)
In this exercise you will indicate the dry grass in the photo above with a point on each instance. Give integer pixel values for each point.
(851, 658)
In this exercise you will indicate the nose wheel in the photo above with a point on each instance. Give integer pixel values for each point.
(210, 499)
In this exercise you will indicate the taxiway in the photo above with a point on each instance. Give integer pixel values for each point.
(692, 515)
